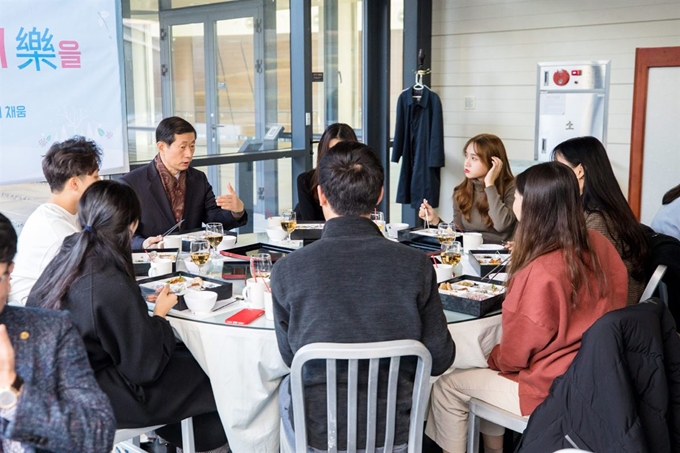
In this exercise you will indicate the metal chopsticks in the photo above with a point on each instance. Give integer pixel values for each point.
(174, 227)
(498, 266)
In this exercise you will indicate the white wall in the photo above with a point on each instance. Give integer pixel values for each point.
(488, 49)
(661, 161)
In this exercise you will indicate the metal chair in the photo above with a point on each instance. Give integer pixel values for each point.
(654, 281)
(352, 353)
(127, 440)
(480, 409)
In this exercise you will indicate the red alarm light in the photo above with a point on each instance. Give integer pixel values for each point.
(576, 72)
(561, 77)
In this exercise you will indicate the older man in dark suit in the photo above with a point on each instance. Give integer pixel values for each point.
(49, 399)
(170, 190)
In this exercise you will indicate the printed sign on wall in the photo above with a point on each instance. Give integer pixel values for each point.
(60, 76)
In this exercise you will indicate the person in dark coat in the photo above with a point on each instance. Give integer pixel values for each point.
(169, 190)
(622, 391)
(149, 380)
(49, 398)
(419, 139)
(355, 286)
(308, 207)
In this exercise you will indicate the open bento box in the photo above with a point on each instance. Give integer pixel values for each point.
(140, 259)
(472, 295)
(237, 260)
(485, 261)
(180, 282)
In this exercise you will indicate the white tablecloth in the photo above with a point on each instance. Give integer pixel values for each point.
(474, 341)
(245, 370)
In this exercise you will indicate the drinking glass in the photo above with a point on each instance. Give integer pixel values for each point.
(446, 233)
(288, 223)
(200, 254)
(450, 253)
(214, 232)
(379, 219)
(261, 265)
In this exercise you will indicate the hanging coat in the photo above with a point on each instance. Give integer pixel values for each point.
(419, 138)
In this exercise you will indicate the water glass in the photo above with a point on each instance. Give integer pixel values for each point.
(379, 218)
(261, 265)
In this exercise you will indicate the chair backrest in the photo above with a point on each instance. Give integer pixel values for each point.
(653, 283)
(353, 352)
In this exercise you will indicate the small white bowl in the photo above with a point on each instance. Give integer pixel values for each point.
(191, 267)
(490, 247)
(228, 241)
(276, 234)
(200, 302)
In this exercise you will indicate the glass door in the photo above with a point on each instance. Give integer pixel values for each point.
(213, 76)
(212, 67)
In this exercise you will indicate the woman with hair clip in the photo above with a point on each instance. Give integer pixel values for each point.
(667, 218)
(308, 207)
(563, 277)
(483, 201)
(605, 207)
(149, 380)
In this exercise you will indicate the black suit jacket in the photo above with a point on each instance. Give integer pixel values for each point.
(157, 218)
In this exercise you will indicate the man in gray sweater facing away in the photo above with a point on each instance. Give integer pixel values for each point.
(353, 286)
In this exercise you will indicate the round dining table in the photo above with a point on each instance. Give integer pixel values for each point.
(245, 367)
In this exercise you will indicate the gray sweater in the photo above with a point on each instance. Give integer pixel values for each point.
(353, 286)
(500, 212)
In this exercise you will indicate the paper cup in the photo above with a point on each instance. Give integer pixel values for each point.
(160, 266)
(394, 228)
(472, 241)
(444, 272)
(172, 242)
(268, 306)
(254, 292)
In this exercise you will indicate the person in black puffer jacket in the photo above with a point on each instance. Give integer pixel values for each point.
(622, 391)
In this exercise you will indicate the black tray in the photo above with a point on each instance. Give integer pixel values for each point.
(411, 235)
(483, 269)
(472, 307)
(240, 269)
(430, 249)
(142, 269)
(223, 289)
(307, 235)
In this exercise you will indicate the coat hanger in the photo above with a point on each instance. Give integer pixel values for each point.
(419, 86)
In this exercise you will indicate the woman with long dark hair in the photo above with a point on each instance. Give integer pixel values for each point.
(483, 201)
(148, 379)
(308, 207)
(562, 278)
(667, 218)
(605, 207)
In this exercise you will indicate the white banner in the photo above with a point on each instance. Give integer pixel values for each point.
(60, 76)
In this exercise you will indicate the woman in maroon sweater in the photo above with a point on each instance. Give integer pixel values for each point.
(563, 278)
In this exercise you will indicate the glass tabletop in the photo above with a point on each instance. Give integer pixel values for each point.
(221, 314)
